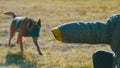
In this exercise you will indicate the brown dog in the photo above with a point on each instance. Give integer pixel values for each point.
(25, 27)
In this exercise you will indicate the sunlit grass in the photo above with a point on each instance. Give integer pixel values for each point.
(52, 13)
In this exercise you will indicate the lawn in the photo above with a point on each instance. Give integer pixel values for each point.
(52, 13)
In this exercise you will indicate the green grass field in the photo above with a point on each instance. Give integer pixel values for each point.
(52, 13)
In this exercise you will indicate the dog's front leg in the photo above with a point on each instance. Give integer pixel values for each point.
(36, 43)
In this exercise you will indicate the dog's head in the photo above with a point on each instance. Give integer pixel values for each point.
(33, 28)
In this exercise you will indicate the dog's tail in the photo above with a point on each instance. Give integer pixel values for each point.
(13, 15)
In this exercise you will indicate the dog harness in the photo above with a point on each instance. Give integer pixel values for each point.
(18, 21)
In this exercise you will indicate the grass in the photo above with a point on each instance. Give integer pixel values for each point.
(52, 13)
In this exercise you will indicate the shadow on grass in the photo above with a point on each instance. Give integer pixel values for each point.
(18, 60)
(6, 45)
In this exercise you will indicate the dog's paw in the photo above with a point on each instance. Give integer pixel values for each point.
(41, 54)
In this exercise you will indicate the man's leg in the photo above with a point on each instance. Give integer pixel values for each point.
(102, 59)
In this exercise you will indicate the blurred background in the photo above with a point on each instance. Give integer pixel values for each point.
(52, 13)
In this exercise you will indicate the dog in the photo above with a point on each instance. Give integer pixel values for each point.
(26, 27)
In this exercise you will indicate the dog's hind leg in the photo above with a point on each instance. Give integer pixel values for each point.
(19, 40)
(36, 43)
(12, 33)
(21, 33)
(21, 45)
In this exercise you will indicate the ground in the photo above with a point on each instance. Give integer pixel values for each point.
(52, 13)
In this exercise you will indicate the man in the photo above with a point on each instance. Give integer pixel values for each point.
(94, 33)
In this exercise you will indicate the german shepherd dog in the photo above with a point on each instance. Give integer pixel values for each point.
(26, 27)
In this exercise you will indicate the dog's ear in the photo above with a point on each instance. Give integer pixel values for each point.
(39, 22)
